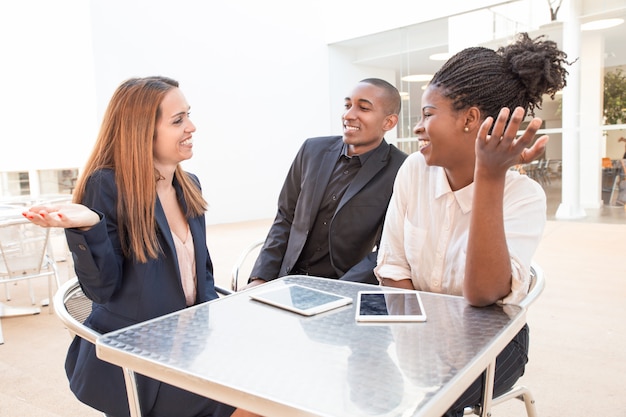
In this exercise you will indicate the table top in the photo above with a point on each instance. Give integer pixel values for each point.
(275, 362)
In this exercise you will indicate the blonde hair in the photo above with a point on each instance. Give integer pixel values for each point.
(125, 145)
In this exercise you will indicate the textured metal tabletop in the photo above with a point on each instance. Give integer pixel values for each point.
(278, 363)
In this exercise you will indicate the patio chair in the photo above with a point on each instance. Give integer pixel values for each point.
(520, 392)
(73, 307)
(24, 256)
(245, 260)
(544, 173)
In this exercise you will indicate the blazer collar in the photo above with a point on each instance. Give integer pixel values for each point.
(325, 169)
(375, 162)
(196, 225)
(161, 220)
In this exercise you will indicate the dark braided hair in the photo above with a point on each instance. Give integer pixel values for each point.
(516, 75)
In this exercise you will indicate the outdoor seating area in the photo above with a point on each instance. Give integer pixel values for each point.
(568, 343)
(435, 229)
(614, 182)
(25, 256)
(544, 171)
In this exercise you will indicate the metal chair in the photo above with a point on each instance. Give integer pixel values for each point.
(243, 260)
(72, 307)
(544, 174)
(222, 291)
(24, 256)
(520, 392)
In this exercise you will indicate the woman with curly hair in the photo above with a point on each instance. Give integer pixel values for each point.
(460, 221)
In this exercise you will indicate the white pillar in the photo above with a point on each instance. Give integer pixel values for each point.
(5, 192)
(570, 186)
(34, 185)
(591, 138)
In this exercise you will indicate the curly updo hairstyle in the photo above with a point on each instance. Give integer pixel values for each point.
(516, 75)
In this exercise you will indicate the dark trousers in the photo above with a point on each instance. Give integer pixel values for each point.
(510, 364)
(175, 402)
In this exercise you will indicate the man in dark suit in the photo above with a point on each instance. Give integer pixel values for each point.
(333, 202)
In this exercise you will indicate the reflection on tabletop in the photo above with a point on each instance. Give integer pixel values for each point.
(322, 364)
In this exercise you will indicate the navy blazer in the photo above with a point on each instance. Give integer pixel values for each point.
(356, 226)
(125, 292)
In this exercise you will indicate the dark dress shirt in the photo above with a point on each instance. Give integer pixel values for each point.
(315, 256)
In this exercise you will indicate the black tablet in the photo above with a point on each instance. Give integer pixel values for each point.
(302, 300)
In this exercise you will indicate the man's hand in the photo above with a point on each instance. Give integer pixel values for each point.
(254, 282)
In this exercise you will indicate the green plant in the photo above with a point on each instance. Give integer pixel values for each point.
(615, 97)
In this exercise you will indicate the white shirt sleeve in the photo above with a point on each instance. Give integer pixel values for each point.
(392, 262)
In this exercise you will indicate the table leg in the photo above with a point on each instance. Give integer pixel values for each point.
(131, 392)
(488, 391)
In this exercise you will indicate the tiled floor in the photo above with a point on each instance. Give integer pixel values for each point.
(577, 357)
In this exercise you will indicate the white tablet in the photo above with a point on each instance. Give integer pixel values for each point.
(303, 300)
(389, 306)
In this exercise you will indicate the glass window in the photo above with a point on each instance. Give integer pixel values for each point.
(57, 181)
(14, 184)
(410, 54)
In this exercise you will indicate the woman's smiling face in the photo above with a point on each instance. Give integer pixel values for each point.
(440, 130)
(173, 141)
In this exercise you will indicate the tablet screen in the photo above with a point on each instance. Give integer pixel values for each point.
(389, 306)
(302, 300)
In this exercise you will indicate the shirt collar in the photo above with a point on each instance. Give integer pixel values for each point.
(463, 197)
(362, 157)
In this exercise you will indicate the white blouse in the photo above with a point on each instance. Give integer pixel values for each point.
(427, 225)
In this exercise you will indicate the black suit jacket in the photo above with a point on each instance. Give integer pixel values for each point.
(356, 226)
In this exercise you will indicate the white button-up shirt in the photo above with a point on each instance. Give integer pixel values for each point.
(427, 225)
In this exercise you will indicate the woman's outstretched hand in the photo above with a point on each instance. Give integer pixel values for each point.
(69, 215)
(502, 149)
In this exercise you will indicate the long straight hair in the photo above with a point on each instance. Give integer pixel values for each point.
(125, 145)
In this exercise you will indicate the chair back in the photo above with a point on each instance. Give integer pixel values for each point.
(537, 284)
(520, 392)
(245, 262)
(23, 246)
(73, 307)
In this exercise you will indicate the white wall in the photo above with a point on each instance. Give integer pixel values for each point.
(256, 80)
(47, 101)
(255, 73)
(345, 76)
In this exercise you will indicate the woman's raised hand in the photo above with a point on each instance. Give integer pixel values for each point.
(503, 149)
(69, 215)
